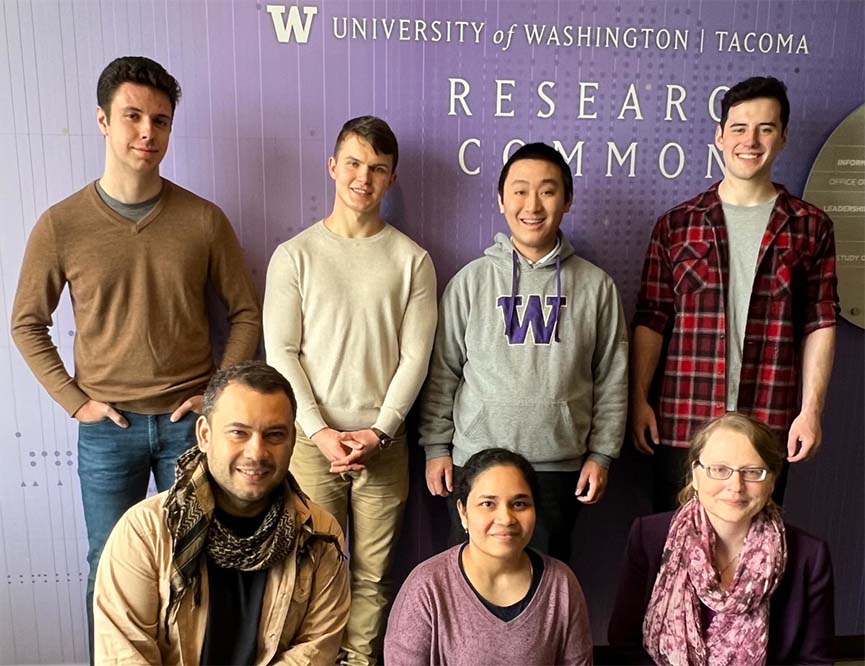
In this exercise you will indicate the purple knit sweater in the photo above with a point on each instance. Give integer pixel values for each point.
(438, 619)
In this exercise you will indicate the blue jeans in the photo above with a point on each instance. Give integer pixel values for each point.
(114, 466)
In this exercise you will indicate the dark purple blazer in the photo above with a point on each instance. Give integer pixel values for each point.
(801, 610)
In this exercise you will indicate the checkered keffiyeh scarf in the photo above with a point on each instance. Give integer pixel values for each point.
(738, 633)
(189, 511)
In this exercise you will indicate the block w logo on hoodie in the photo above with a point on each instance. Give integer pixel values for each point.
(543, 327)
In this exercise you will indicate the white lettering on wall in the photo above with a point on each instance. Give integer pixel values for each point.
(459, 96)
(462, 157)
(613, 151)
(662, 157)
(284, 29)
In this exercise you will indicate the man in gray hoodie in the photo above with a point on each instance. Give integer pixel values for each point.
(531, 355)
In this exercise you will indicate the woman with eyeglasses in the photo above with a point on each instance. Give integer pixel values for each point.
(491, 600)
(724, 580)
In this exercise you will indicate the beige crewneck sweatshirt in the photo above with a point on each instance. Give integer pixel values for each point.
(350, 322)
(142, 340)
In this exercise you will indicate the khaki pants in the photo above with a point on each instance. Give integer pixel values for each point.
(369, 507)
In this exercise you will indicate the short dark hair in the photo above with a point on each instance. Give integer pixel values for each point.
(764, 440)
(483, 460)
(375, 132)
(540, 151)
(135, 69)
(256, 375)
(754, 88)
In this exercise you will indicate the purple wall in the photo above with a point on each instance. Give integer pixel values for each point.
(253, 131)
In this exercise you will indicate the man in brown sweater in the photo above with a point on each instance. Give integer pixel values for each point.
(137, 253)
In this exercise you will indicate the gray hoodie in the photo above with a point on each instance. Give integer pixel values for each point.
(532, 358)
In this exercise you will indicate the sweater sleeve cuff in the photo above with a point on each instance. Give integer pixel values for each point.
(388, 421)
(310, 422)
(71, 398)
(602, 459)
(437, 451)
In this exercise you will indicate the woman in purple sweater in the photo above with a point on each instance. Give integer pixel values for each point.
(491, 600)
(725, 580)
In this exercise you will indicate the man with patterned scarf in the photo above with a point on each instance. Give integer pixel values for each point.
(233, 564)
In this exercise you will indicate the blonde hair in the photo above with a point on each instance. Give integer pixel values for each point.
(762, 438)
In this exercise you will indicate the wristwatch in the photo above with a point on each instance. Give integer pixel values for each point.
(384, 440)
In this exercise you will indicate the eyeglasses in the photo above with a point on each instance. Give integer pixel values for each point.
(722, 472)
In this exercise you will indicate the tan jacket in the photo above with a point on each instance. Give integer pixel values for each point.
(303, 615)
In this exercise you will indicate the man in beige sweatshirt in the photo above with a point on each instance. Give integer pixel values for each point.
(137, 253)
(349, 319)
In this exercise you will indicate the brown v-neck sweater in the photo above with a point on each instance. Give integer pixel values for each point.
(142, 339)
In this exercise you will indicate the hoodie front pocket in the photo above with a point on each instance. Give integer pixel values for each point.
(476, 423)
(542, 432)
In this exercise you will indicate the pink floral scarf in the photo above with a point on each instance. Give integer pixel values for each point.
(739, 631)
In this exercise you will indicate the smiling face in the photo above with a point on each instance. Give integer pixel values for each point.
(751, 139)
(499, 513)
(137, 131)
(248, 441)
(732, 502)
(362, 176)
(533, 203)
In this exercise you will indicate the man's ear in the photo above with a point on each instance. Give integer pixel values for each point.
(102, 120)
(719, 135)
(501, 205)
(202, 433)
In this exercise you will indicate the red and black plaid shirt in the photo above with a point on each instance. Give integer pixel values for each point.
(683, 297)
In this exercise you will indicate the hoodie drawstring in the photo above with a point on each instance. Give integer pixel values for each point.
(558, 296)
(515, 277)
(512, 303)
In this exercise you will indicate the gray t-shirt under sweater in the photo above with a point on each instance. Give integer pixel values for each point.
(133, 212)
(745, 228)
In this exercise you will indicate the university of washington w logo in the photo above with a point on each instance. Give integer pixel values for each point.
(543, 325)
(285, 29)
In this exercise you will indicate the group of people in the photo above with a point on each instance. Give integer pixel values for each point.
(283, 485)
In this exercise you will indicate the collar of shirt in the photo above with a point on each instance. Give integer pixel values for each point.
(549, 254)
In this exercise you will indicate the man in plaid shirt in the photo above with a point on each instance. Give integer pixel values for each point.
(739, 295)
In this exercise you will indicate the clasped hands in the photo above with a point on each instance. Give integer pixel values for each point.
(347, 451)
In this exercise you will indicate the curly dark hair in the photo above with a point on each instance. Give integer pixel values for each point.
(135, 69)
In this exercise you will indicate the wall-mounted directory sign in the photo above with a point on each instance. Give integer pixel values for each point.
(837, 185)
